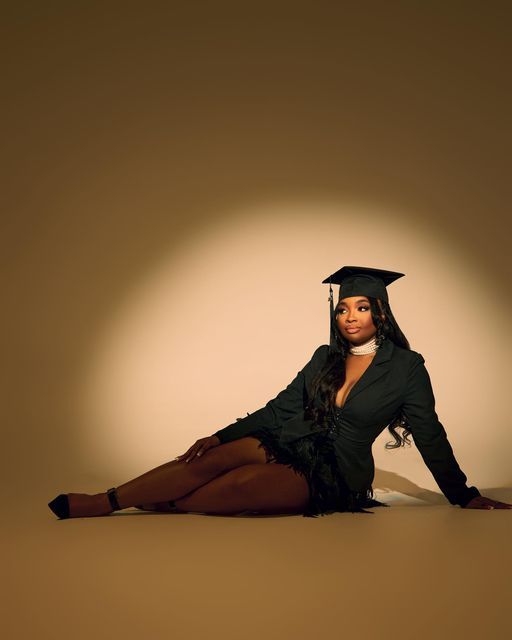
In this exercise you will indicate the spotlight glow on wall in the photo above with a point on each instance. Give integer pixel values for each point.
(222, 325)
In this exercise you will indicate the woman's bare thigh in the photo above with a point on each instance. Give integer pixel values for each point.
(266, 489)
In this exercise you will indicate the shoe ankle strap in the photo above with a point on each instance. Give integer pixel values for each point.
(112, 496)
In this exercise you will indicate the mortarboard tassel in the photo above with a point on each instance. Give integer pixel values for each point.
(331, 309)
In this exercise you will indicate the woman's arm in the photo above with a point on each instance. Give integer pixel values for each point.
(430, 436)
(285, 405)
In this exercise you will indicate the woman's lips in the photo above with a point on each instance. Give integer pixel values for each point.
(352, 329)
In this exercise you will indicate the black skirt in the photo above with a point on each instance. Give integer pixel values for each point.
(313, 456)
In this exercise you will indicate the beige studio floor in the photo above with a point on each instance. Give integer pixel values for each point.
(406, 571)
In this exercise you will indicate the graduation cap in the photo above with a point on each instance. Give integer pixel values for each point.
(359, 281)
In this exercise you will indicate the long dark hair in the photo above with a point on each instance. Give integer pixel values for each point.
(331, 377)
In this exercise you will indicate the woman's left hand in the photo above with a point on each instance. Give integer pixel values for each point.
(481, 502)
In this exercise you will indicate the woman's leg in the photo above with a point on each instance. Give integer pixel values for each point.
(266, 489)
(173, 479)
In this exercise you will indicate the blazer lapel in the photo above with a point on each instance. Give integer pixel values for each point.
(378, 367)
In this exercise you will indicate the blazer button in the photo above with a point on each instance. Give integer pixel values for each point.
(331, 430)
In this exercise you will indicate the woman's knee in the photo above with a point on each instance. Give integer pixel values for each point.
(233, 454)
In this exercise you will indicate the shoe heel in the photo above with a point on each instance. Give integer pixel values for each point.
(60, 506)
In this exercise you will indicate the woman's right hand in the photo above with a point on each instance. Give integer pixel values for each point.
(198, 448)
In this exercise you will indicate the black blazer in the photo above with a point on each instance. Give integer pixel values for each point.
(395, 381)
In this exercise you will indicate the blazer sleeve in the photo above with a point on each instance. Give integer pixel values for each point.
(285, 405)
(430, 436)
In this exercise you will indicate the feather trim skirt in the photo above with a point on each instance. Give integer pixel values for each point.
(313, 456)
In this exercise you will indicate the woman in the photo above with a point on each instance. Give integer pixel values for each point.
(317, 433)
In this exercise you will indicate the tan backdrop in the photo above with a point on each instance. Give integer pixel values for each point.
(179, 180)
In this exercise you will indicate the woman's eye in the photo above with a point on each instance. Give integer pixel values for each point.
(359, 308)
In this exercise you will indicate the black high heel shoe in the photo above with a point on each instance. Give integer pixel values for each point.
(60, 505)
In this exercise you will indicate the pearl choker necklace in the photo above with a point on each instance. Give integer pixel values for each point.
(363, 349)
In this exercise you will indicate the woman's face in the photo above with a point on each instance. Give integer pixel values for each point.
(354, 319)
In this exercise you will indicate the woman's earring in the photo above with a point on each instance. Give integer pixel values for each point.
(380, 336)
